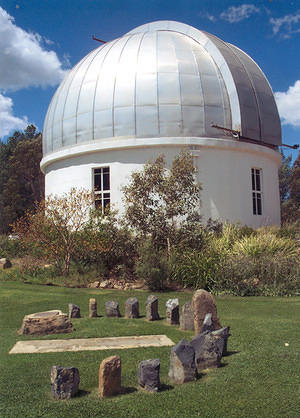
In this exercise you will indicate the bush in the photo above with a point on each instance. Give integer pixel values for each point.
(10, 248)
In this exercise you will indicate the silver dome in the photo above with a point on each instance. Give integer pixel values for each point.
(163, 79)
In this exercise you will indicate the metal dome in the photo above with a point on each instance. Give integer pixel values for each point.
(163, 79)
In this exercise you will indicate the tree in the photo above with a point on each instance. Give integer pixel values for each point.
(158, 200)
(21, 180)
(53, 227)
(290, 211)
(284, 174)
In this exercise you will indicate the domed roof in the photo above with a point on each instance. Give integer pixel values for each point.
(163, 79)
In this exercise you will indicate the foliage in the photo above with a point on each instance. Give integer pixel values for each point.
(21, 180)
(54, 225)
(10, 248)
(290, 209)
(158, 199)
(284, 174)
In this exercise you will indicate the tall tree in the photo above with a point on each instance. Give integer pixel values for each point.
(284, 175)
(290, 210)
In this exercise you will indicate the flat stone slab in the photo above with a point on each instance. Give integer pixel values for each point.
(90, 344)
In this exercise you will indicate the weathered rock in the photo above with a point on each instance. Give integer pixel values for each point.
(182, 363)
(187, 317)
(74, 311)
(93, 308)
(208, 350)
(5, 263)
(50, 322)
(110, 376)
(94, 285)
(64, 382)
(112, 309)
(204, 303)
(132, 308)
(223, 333)
(104, 284)
(172, 311)
(207, 323)
(152, 308)
(148, 375)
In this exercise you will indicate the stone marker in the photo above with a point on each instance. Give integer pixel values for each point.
(187, 317)
(148, 375)
(208, 350)
(182, 363)
(132, 308)
(50, 322)
(64, 382)
(223, 333)
(172, 311)
(5, 263)
(112, 309)
(207, 323)
(204, 303)
(93, 308)
(74, 311)
(152, 308)
(110, 376)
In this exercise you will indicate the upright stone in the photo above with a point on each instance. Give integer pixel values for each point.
(187, 317)
(74, 311)
(64, 382)
(93, 308)
(152, 308)
(207, 323)
(148, 375)
(110, 376)
(208, 350)
(112, 309)
(204, 303)
(49, 322)
(182, 363)
(132, 308)
(5, 263)
(223, 333)
(172, 311)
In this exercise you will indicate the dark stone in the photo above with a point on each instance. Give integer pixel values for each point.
(207, 323)
(172, 311)
(182, 363)
(148, 375)
(93, 308)
(152, 308)
(132, 308)
(64, 382)
(74, 311)
(208, 350)
(223, 333)
(187, 317)
(112, 309)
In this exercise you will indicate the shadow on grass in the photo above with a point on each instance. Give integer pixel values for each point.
(81, 393)
(231, 353)
(127, 390)
(164, 387)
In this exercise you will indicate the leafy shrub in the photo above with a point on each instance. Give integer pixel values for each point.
(10, 248)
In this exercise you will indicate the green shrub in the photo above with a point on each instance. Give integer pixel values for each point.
(10, 248)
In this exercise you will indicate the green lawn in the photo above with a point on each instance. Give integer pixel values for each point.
(260, 377)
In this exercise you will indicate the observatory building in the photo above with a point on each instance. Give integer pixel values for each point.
(162, 88)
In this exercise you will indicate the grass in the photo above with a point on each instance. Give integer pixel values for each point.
(260, 377)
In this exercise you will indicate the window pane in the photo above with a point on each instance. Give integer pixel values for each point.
(105, 169)
(97, 170)
(97, 182)
(254, 203)
(106, 185)
(98, 204)
(253, 178)
(259, 210)
(258, 180)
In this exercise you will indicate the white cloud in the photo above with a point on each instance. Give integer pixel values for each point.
(24, 61)
(9, 122)
(237, 13)
(287, 25)
(289, 105)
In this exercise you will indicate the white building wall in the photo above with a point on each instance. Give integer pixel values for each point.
(224, 171)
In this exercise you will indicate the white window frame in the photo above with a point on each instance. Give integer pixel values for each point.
(257, 191)
(102, 195)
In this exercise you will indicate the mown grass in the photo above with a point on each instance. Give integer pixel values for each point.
(260, 377)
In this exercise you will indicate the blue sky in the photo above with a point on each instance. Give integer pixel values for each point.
(41, 39)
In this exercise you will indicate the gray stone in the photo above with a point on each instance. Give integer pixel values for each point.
(223, 333)
(203, 303)
(148, 375)
(110, 376)
(208, 350)
(182, 363)
(152, 308)
(74, 311)
(172, 311)
(93, 308)
(5, 263)
(132, 308)
(64, 382)
(207, 323)
(50, 322)
(94, 285)
(187, 317)
(112, 309)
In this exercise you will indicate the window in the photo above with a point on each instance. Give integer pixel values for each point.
(256, 177)
(101, 187)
